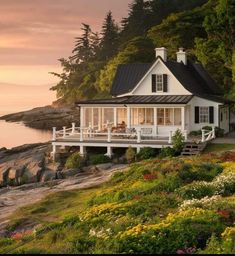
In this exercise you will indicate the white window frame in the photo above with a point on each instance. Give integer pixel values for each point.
(203, 116)
(159, 83)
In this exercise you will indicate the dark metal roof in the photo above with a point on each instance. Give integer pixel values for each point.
(152, 99)
(128, 76)
(193, 77)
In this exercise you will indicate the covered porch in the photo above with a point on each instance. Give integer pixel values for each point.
(149, 121)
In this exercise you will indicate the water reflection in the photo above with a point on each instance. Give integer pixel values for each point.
(16, 134)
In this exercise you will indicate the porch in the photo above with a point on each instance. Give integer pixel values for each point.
(112, 138)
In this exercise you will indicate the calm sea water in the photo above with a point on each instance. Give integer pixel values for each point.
(16, 98)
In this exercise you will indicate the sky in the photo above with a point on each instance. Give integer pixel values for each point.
(34, 34)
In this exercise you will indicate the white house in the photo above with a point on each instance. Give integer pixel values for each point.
(150, 101)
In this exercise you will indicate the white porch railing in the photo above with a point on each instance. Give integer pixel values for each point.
(208, 135)
(88, 134)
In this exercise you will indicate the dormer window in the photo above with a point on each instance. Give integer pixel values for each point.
(159, 82)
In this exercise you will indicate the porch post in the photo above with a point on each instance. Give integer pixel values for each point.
(182, 118)
(109, 134)
(115, 116)
(54, 133)
(128, 117)
(92, 118)
(53, 153)
(73, 128)
(138, 136)
(155, 120)
(81, 116)
(81, 134)
(109, 152)
(82, 150)
(100, 119)
(64, 131)
(170, 137)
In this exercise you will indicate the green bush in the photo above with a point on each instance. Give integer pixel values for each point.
(146, 153)
(195, 133)
(187, 230)
(130, 155)
(99, 159)
(218, 131)
(178, 141)
(204, 171)
(167, 152)
(74, 161)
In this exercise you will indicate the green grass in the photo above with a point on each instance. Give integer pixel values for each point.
(218, 148)
(91, 220)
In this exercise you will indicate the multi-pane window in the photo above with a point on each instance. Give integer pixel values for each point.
(142, 116)
(159, 83)
(169, 116)
(204, 114)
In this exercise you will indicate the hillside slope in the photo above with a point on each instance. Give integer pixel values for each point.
(176, 205)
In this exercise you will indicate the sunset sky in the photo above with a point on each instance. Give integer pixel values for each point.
(34, 34)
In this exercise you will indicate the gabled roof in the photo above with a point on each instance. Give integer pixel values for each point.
(128, 76)
(193, 77)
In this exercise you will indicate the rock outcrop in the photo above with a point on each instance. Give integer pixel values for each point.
(27, 164)
(45, 117)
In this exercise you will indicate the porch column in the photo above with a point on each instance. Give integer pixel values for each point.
(137, 150)
(155, 120)
(182, 118)
(54, 133)
(100, 119)
(115, 116)
(92, 118)
(53, 153)
(82, 150)
(128, 117)
(109, 152)
(81, 116)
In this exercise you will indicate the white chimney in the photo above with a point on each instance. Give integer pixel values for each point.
(182, 56)
(162, 52)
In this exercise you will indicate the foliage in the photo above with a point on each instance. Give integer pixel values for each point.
(216, 51)
(130, 154)
(167, 152)
(74, 161)
(146, 153)
(178, 141)
(204, 171)
(99, 159)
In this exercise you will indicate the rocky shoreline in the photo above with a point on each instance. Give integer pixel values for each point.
(46, 117)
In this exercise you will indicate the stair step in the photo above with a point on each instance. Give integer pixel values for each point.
(193, 149)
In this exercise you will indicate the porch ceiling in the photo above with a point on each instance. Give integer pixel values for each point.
(138, 99)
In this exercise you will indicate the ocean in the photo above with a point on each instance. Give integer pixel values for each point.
(16, 98)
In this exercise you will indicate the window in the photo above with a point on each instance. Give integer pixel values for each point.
(142, 116)
(204, 114)
(159, 83)
(160, 116)
(121, 116)
(177, 116)
(169, 116)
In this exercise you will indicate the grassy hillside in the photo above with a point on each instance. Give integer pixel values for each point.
(176, 205)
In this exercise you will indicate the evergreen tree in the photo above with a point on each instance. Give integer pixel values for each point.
(217, 50)
(83, 50)
(136, 22)
(109, 40)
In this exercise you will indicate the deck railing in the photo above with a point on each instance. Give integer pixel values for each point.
(208, 135)
(89, 134)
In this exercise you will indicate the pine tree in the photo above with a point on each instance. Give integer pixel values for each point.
(109, 40)
(136, 22)
(83, 50)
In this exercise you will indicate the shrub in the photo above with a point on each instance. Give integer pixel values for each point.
(204, 171)
(74, 161)
(146, 153)
(130, 155)
(195, 133)
(167, 152)
(99, 159)
(182, 230)
(178, 141)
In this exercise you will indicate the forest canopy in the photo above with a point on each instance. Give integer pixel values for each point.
(205, 28)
